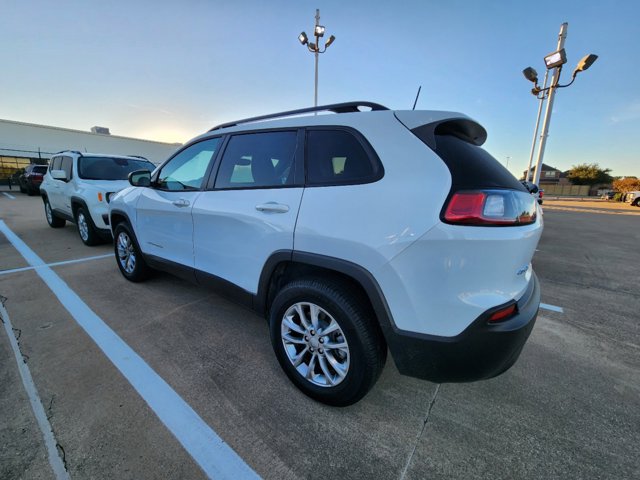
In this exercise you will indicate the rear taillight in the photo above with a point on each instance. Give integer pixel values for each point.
(503, 313)
(491, 208)
(541, 192)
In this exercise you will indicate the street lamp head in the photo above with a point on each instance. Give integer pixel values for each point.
(585, 63)
(319, 31)
(313, 47)
(303, 38)
(555, 59)
(530, 74)
(329, 42)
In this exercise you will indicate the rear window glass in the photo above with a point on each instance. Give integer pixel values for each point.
(336, 156)
(471, 166)
(109, 168)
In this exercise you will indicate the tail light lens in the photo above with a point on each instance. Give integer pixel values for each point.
(491, 208)
(504, 313)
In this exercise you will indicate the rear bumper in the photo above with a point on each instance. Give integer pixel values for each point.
(481, 351)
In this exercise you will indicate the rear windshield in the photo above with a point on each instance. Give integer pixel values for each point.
(109, 168)
(471, 167)
(40, 169)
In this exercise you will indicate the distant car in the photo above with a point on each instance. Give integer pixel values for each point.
(31, 179)
(633, 198)
(534, 190)
(78, 187)
(609, 195)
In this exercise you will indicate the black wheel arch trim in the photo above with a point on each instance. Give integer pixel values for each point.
(482, 350)
(121, 213)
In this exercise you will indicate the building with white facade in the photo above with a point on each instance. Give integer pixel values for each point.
(24, 143)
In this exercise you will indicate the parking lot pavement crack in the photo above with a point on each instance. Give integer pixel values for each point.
(54, 450)
(419, 437)
(49, 409)
(63, 456)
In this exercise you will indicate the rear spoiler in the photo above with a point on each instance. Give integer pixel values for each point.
(429, 124)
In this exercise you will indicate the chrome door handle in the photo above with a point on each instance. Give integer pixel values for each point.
(181, 202)
(272, 207)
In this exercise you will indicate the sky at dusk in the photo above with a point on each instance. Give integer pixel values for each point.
(169, 71)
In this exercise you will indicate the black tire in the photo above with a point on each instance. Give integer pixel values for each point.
(365, 354)
(86, 228)
(31, 191)
(22, 189)
(125, 246)
(52, 219)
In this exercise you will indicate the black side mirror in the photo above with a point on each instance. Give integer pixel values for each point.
(532, 187)
(140, 178)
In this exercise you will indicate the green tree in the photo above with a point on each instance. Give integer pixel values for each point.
(589, 174)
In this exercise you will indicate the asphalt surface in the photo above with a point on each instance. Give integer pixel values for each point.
(569, 408)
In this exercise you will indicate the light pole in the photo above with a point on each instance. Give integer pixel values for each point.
(318, 32)
(554, 61)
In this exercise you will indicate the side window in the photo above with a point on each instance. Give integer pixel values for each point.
(258, 160)
(55, 163)
(186, 170)
(336, 156)
(66, 165)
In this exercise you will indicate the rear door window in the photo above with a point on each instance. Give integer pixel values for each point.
(258, 160)
(337, 157)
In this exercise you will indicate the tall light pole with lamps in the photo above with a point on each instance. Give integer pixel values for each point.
(314, 48)
(554, 62)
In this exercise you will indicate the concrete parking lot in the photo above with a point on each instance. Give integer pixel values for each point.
(569, 408)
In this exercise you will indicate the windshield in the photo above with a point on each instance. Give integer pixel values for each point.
(109, 168)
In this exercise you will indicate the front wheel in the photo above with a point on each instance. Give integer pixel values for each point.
(327, 341)
(128, 256)
(52, 220)
(86, 230)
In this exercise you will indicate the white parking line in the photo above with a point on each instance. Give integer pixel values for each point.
(8, 195)
(34, 399)
(55, 264)
(211, 453)
(552, 308)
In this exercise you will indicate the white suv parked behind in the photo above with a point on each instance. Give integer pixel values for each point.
(78, 186)
(352, 233)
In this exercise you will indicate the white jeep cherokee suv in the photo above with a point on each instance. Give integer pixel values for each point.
(352, 233)
(78, 186)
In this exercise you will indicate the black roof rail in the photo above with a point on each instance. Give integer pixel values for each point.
(70, 151)
(348, 107)
(138, 156)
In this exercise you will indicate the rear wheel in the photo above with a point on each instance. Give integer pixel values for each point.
(326, 341)
(128, 256)
(86, 230)
(52, 220)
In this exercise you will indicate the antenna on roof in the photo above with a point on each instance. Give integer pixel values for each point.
(417, 95)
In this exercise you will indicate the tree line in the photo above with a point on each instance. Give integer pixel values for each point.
(591, 174)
